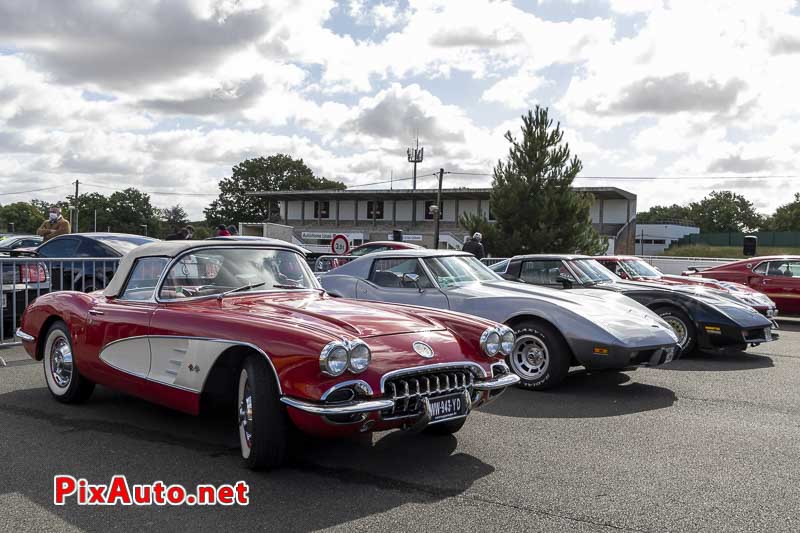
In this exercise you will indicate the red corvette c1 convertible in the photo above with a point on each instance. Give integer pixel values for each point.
(245, 322)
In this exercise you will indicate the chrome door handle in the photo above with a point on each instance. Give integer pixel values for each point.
(95, 312)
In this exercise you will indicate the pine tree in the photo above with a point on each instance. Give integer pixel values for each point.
(532, 199)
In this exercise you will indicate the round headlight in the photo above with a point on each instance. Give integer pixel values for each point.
(333, 359)
(360, 357)
(490, 342)
(507, 340)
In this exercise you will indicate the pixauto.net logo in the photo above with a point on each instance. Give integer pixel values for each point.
(119, 492)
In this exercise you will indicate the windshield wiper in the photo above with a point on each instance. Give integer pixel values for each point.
(279, 286)
(249, 286)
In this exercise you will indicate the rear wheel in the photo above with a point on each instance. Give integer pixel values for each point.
(683, 327)
(64, 381)
(263, 421)
(541, 357)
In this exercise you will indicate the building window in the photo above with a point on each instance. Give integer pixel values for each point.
(491, 213)
(375, 209)
(428, 214)
(322, 209)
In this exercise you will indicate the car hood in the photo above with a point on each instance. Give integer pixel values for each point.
(336, 316)
(617, 314)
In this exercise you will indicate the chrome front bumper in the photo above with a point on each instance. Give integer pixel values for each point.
(349, 408)
(24, 336)
(500, 382)
(372, 405)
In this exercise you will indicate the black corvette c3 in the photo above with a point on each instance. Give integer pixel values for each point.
(701, 318)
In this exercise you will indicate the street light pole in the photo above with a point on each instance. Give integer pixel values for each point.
(439, 211)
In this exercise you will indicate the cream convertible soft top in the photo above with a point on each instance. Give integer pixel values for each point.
(176, 248)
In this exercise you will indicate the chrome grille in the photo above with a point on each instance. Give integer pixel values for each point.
(408, 390)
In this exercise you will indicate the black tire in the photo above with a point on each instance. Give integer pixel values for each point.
(543, 369)
(64, 380)
(680, 323)
(445, 428)
(263, 428)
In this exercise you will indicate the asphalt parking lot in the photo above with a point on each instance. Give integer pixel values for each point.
(705, 444)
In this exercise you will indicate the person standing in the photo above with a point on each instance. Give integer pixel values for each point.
(54, 226)
(189, 232)
(233, 231)
(222, 231)
(474, 246)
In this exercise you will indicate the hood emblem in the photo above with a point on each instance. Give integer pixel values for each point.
(423, 350)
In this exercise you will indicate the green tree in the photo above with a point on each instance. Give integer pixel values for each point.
(175, 217)
(88, 205)
(786, 217)
(278, 172)
(725, 211)
(661, 213)
(25, 217)
(536, 208)
(130, 210)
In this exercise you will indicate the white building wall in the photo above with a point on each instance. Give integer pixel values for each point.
(346, 210)
(614, 211)
(294, 210)
(404, 210)
(467, 206)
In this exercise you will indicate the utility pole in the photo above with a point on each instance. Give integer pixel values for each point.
(414, 156)
(439, 211)
(75, 228)
(95, 220)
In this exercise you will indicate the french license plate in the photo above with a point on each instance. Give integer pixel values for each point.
(450, 406)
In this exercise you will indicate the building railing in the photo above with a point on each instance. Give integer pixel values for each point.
(26, 278)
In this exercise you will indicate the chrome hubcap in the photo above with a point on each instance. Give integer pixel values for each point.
(246, 414)
(679, 328)
(530, 358)
(61, 362)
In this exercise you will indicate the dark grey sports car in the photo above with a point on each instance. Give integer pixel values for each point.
(701, 318)
(555, 329)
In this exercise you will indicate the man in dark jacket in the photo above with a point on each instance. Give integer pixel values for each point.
(474, 246)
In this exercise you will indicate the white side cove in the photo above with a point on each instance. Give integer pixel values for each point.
(129, 355)
(180, 362)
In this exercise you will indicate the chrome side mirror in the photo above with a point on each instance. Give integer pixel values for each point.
(412, 279)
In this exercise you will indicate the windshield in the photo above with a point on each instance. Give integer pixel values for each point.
(590, 271)
(639, 269)
(458, 270)
(214, 271)
(124, 244)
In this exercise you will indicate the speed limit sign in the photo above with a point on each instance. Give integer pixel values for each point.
(340, 244)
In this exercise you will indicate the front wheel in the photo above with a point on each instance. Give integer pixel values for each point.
(541, 357)
(263, 421)
(64, 381)
(683, 327)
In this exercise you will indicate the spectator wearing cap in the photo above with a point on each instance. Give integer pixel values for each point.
(54, 226)
(222, 231)
(474, 246)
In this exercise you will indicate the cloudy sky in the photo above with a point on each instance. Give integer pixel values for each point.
(167, 95)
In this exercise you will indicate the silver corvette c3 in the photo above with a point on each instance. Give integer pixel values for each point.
(555, 329)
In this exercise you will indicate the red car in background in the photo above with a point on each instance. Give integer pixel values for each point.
(637, 269)
(777, 276)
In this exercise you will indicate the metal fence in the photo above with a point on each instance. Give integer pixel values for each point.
(26, 278)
